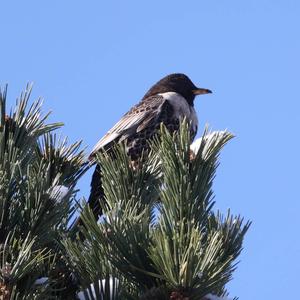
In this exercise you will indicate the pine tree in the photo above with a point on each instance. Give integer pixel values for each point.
(159, 237)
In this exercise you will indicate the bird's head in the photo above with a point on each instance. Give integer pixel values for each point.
(178, 83)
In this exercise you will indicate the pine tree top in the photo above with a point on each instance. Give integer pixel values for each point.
(159, 237)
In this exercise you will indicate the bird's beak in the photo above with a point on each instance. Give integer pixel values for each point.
(200, 91)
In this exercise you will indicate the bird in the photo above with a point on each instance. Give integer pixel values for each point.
(168, 101)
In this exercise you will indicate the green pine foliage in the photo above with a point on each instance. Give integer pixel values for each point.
(34, 168)
(189, 250)
(159, 237)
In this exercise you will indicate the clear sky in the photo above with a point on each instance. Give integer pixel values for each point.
(92, 60)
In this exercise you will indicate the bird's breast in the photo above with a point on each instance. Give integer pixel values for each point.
(182, 108)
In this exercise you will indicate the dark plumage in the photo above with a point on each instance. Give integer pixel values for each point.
(167, 102)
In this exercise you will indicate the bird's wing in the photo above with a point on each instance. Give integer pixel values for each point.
(139, 117)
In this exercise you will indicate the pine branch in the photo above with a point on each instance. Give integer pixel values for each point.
(189, 251)
(38, 175)
(189, 254)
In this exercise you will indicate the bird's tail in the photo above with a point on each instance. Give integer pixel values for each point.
(95, 198)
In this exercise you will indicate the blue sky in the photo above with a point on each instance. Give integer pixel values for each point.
(93, 60)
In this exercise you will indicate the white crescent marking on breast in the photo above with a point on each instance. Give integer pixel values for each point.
(182, 108)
